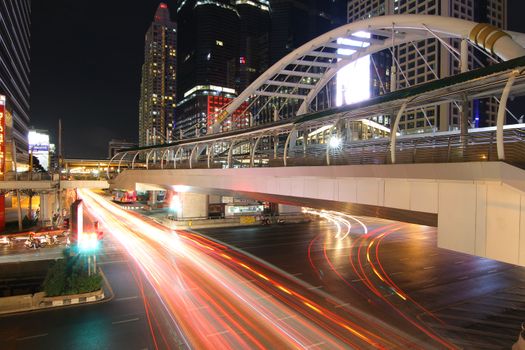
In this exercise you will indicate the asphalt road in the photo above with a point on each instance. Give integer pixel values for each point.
(120, 323)
(474, 303)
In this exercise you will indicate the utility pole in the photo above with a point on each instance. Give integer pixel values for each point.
(59, 190)
(19, 209)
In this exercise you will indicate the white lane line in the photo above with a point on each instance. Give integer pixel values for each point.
(113, 262)
(315, 345)
(342, 305)
(428, 267)
(318, 287)
(357, 280)
(126, 321)
(33, 336)
(395, 273)
(494, 270)
(127, 298)
(286, 317)
(459, 262)
(218, 333)
(462, 278)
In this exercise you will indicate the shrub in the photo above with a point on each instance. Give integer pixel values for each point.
(70, 276)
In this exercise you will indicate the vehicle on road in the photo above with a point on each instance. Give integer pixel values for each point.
(4, 240)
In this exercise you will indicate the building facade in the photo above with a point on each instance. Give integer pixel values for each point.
(208, 62)
(158, 86)
(411, 58)
(14, 74)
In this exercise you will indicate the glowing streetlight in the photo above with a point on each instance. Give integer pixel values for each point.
(335, 142)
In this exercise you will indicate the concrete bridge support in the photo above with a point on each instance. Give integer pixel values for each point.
(478, 207)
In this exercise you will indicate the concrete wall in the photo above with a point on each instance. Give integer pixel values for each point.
(480, 206)
(194, 205)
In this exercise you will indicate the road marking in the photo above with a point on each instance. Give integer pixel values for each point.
(395, 273)
(315, 345)
(113, 262)
(33, 336)
(318, 287)
(286, 317)
(459, 262)
(342, 305)
(434, 254)
(126, 321)
(403, 259)
(126, 298)
(357, 280)
(218, 333)
(428, 267)
(462, 278)
(492, 271)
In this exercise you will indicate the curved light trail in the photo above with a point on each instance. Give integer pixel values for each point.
(365, 261)
(219, 298)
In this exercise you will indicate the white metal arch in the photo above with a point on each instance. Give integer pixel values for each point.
(321, 65)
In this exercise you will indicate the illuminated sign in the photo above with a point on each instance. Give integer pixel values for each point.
(353, 80)
(39, 147)
(2, 135)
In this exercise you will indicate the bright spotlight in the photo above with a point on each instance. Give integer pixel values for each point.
(335, 142)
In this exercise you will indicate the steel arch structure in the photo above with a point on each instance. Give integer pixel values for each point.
(303, 73)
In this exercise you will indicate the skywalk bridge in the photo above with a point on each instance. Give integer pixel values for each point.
(469, 183)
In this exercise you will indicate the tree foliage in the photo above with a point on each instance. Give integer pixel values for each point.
(69, 275)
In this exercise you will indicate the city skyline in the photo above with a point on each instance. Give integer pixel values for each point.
(106, 89)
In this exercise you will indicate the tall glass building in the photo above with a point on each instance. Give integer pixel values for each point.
(158, 91)
(440, 62)
(14, 74)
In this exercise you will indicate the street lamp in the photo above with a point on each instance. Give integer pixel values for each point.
(335, 142)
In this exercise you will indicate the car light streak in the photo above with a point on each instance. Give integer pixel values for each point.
(366, 247)
(204, 291)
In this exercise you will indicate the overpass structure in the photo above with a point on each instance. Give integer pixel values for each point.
(469, 183)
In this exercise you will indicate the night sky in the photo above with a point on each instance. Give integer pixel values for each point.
(86, 58)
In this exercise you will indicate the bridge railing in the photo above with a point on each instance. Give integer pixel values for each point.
(276, 151)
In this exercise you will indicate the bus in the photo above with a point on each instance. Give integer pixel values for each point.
(123, 196)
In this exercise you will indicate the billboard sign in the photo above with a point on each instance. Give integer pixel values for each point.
(39, 147)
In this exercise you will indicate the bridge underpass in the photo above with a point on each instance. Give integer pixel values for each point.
(478, 207)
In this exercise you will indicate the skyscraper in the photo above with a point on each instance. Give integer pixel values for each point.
(208, 62)
(440, 64)
(14, 76)
(158, 89)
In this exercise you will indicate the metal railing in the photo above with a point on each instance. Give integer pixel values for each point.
(441, 147)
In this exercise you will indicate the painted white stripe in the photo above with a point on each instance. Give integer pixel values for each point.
(127, 298)
(428, 267)
(126, 321)
(318, 287)
(33, 336)
(342, 305)
(218, 333)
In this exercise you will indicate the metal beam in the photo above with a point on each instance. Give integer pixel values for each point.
(133, 161)
(300, 74)
(109, 164)
(333, 55)
(279, 94)
(120, 161)
(501, 115)
(314, 63)
(285, 156)
(254, 148)
(335, 45)
(289, 84)
(393, 133)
